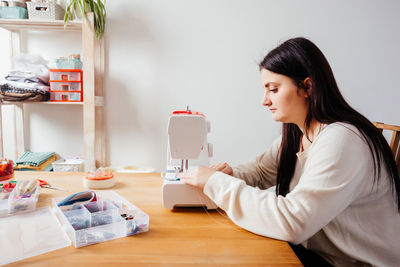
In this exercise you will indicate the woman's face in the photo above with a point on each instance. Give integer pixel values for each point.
(286, 101)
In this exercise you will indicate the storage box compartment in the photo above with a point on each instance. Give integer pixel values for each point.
(65, 86)
(65, 96)
(65, 75)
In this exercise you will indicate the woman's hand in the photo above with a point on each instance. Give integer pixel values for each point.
(223, 167)
(198, 177)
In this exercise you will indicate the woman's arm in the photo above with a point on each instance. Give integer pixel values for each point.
(263, 171)
(337, 169)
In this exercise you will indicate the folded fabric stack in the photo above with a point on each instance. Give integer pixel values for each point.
(35, 161)
(24, 86)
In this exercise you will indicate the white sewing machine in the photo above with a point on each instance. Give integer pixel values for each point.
(187, 140)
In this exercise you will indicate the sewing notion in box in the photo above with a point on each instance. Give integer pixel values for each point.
(90, 217)
(84, 218)
(66, 85)
(18, 196)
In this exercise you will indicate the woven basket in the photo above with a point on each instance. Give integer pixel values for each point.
(45, 11)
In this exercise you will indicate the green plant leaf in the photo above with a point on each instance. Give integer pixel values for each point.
(91, 4)
(84, 6)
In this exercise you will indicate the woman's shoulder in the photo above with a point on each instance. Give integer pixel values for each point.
(340, 142)
(342, 129)
(341, 134)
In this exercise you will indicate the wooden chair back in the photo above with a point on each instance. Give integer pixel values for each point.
(395, 141)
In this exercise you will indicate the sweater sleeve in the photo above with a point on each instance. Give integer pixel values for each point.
(332, 177)
(263, 171)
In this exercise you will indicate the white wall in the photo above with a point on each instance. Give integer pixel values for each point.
(164, 55)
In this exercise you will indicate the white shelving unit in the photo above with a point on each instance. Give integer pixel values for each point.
(93, 92)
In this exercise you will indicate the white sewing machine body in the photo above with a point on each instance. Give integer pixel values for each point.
(176, 194)
(187, 140)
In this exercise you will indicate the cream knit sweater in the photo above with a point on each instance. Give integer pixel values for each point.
(333, 207)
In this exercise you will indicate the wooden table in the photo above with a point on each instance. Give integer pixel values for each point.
(179, 237)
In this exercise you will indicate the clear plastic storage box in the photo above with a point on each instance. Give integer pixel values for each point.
(12, 202)
(47, 229)
(69, 165)
(65, 75)
(110, 217)
(66, 96)
(65, 86)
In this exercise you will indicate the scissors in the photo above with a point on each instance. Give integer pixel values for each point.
(6, 185)
(44, 184)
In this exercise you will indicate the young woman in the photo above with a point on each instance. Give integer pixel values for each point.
(329, 182)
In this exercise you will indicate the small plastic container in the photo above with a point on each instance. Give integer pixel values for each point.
(66, 96)
(45, 11)
(65, 86)
(69, 165)
(60, 75)
(20, 199)
(110, 217)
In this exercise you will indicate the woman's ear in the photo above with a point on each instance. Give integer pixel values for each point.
(307, 86)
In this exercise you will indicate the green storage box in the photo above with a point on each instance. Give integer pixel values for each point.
(13, 12)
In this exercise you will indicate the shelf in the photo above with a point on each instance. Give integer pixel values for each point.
(93, 66)
(44, 25)
(42, 102)
(99, 102)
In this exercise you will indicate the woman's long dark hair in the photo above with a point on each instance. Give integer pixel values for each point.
(299, 58)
